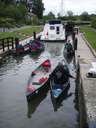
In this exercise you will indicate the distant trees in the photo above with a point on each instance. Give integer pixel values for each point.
(49, 16)
(85, 16)
(70, 13)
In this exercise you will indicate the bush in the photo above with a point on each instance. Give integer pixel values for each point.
(12, 11)
(35, 20)
(7, 22)
(28, 22)
(93, 23)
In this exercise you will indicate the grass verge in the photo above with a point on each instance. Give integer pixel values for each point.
(90, 35)
(21, 33)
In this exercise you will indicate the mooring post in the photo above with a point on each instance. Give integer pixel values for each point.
(12, 43)
(7, 43)
(34, 35)
(16, 42)
(3, 45)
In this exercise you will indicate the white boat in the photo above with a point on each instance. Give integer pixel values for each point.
(53, 31)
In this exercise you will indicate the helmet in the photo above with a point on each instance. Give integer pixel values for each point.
(60, 65)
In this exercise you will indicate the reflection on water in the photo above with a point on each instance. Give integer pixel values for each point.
(57, 104)
(68, 58)
(34, 103)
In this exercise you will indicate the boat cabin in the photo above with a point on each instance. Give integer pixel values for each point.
(53, 30)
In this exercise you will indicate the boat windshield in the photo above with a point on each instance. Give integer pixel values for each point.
(54, 22)
(52, 27)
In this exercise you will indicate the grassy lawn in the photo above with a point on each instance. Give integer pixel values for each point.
(90, 35)
(22, 33)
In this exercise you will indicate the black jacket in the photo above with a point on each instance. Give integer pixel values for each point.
(61, 74)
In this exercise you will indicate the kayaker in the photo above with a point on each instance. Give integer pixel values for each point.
(68, 46)
(61, 74)
(19, 47)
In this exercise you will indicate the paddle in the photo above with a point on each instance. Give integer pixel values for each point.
(71, 76)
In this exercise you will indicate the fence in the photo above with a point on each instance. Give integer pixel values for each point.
(7, 43)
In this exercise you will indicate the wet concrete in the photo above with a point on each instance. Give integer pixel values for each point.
(16, 112)
(88, 87)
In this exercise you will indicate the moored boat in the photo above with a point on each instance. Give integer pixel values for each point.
(53, 31)
(38, 79)
(36, 46)
(20, 50)
(68, 51)
(34, 103)
(58, 82)
(58, 103)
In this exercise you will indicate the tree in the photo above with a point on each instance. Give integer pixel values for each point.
(70, 13)
(2, 7)
(38, 8)
(51, 15)
(35, 20)
(20, 13)
(8, 1)
(93, 23)
(58, 15)
(85, 16)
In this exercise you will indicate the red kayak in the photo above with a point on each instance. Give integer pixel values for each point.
(38, 78)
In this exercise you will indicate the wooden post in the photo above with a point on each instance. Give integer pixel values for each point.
(7, 43)
(3, 45)
(34, 35)
(12, 43)
(16, 42)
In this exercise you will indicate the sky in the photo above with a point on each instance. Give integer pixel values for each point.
(76, 6)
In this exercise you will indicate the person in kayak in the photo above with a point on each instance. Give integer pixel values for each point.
(68, 46)
(61, 75)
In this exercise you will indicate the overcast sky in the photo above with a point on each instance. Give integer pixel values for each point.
(76, 6)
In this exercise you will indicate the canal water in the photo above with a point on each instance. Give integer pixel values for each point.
(16, 112)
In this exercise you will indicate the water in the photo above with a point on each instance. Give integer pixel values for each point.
(16, 112)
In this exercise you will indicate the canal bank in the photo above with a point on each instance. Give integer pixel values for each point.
(86, 87)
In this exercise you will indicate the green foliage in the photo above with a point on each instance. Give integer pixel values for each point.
(12, 11)
(85, 16)
(93, 23)
(7, 1)
(68, 18)
(28, 22)
(70, 13)
(35, 20)
(38, 8)
(7, 22)
(50, 16)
